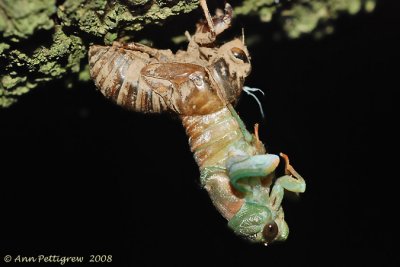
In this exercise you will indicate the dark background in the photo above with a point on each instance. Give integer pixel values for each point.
(80, 176)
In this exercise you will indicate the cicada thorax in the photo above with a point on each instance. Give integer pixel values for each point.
(116, 73)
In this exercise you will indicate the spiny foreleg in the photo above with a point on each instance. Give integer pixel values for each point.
(206, 33)
(159, 54)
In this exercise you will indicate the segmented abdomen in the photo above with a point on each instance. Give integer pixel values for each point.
(116, 72)
(215, 137)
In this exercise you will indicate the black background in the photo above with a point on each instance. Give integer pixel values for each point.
(80, 176)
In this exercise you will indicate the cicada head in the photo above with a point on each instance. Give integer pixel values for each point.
(230, 66)
(260, 224)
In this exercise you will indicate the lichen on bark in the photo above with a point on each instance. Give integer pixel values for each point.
(44, 40)
(108, 19)
(299, 17)
(19, 19)
(41, 41)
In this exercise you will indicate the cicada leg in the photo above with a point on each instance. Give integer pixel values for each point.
(203, 4)
(220, 22)
(160, 55)
(223, 20)
(256, 141)
(247, 136)
(242, 168)
(206, 33)
(292, 181)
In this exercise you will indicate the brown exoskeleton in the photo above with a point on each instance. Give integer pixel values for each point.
(200, 80)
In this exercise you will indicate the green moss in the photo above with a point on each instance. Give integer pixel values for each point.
(6, 101)
(300, 17)
(19, 19)
(64, 54)
(4, 47)
(109, 22)
(137, 2)
(9, 82)
(59, 54)
(370, 5)
(25, 70)
(252, 7)
(266, 13)
(41, 41)
(84, 74)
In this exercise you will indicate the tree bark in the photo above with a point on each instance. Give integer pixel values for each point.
(44, 40)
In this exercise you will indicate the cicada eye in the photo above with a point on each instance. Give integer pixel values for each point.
(270, 232)
(240, 54)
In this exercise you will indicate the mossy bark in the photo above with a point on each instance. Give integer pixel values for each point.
(43, 40)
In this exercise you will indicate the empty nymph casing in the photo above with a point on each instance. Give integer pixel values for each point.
(148, 80)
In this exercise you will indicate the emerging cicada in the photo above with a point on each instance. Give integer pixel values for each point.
(200, 85)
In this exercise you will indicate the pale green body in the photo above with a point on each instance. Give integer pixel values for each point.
(230, 156)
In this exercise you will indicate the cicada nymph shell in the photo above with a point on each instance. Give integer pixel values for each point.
(116, 72)
(201, 80)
